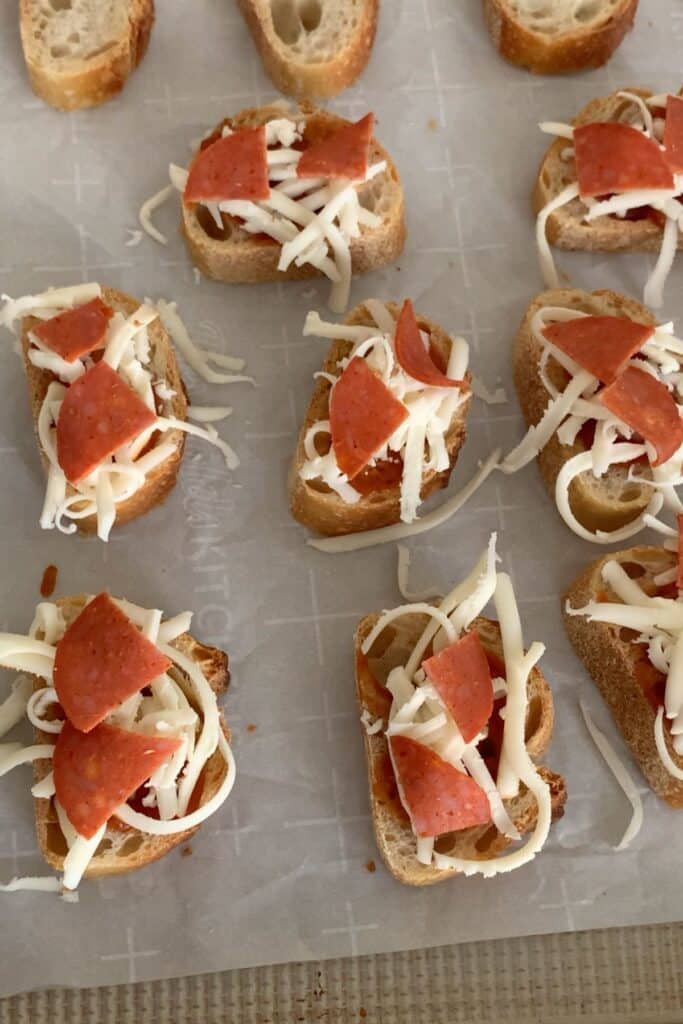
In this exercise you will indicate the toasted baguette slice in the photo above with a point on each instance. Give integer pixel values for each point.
(124, 848)
(312, 49)
(159, 481)
(393, 832)
(237, 257)
(619, 667)
(79, 53)
(559, 35)
(565, 227)
(316, 505)
(599, 504)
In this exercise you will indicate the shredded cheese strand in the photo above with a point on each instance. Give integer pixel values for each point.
(615, 765)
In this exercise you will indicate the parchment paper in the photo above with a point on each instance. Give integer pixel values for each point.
(280, 873)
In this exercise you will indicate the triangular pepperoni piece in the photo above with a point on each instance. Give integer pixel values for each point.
(101, 660)
(96, 772)
(602, 345)
(344, 154)
(679, 580)
(612, 158)
(76, 332)
(673, 133)
(363, 415)
(413, 355)
(99, 414)
(645, 405)
(461, 676)
(232, 167)
(437, 797)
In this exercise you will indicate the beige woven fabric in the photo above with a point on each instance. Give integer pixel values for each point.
(620, 975)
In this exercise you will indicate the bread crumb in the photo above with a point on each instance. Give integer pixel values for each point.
(186, 851)
(251, 727)
(363, 1012)
(371, 866)
(432, 124)
(49, 581)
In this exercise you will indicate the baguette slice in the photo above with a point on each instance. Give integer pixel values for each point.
(312, 502)
(312, 49)
(160, 481)
(559, 35)
(599, 504)
(237, 257)
(565, 227)
(79, 53)
(393, 832)
(124, 848)
(619, 667)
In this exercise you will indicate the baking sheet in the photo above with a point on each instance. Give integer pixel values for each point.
(280, 873)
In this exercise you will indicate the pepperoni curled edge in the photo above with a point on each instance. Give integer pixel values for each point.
(98, 771)
(412, 354)
(644, 404)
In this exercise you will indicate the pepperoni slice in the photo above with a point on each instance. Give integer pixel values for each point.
(462, 678)
(232, 167)
(99, 414)
(679, 580)
(363, 416)
(76, 332)
(644, 404)
(414, 356)
(602, 345)
(673, 134)
(96, 772)
(344, 154)
(436, 795)
(101, 660)
(613, 158)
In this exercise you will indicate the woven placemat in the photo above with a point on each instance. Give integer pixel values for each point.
(625, 975)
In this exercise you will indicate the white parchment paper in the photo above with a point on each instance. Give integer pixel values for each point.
(280, 873)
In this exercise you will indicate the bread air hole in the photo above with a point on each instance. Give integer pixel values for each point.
(60, 50)
(292, 18)
(589, 10)
(60, 5)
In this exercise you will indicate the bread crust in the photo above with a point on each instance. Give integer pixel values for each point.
(241, 258)
(161, 480)
(111, 857)
(80, 83)
(395, 838)
(565, 228)
(319, 507)
(308, 80)
(612, 501)
(611, 658)
(553, 54)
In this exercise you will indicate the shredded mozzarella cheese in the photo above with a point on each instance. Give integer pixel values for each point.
(663, 200)
(417, 711)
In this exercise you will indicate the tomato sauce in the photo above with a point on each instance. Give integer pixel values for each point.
(49, 581)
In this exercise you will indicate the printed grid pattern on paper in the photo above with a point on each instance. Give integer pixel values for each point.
(280, 874)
